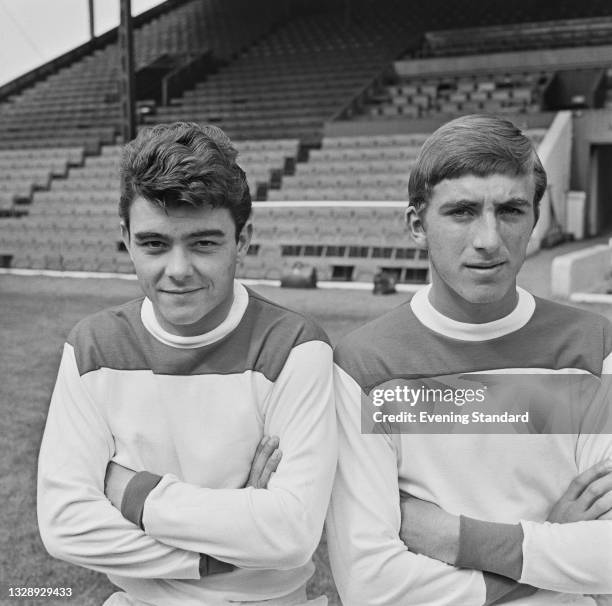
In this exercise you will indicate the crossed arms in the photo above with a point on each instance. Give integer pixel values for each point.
(278, 527)
(372, 565)
(497, 548)
(121, 481)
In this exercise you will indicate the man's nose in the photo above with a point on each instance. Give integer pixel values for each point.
(486, 233)
(179, 266)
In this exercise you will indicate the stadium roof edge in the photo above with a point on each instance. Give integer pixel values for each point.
(50, 67)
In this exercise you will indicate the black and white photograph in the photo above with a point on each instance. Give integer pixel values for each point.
(306, 302)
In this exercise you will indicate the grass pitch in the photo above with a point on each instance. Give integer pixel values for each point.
(36, 314)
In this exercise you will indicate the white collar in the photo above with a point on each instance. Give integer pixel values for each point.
(239, 305)
(434, 320)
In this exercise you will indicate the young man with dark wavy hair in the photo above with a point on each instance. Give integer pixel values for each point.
(520, 512)
(170, 412)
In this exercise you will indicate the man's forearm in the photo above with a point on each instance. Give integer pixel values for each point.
(490, 547)
(465, 543)
(569, 558)
(127, 491)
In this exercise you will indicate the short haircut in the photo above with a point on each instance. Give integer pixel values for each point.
(480, 145)
(184, 163)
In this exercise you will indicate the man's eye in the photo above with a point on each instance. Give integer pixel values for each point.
(153, 244)
(205, 243)
(511, 210)
(460, 212)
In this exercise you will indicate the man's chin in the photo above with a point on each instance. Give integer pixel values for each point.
(486, 294)
(179, 323)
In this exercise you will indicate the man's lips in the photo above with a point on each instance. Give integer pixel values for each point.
(485, 266)
(185, 291)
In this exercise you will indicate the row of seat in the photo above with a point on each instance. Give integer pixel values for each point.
(519, 92)
(452, 109)
(381, 152)
(574, 32)
(58, 208)
(355, 166)
(264, 96)
(90, 144)
(351, 180)
(516, 95)
(339, 193)
(23, 171)
(239, 114)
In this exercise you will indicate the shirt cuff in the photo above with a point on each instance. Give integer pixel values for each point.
(491, 547)
(135, 494)
(209, 565)
(501, 589)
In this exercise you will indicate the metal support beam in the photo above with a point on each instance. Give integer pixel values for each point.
(126, 77)
(92, 25)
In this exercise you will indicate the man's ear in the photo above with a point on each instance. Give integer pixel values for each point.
(244, 239)
(125, 236)
(416, 227)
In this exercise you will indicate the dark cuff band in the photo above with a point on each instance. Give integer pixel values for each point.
(491, 546)
(210, 565)
(136, 491)
(501, 590)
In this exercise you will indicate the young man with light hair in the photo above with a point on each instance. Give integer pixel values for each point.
(520, 515)
(170, 412)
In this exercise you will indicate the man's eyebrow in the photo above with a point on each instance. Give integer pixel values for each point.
(143, 235)
(206, 233)
(459, 202)
(517, 201)
(202, 233)
(468, 202)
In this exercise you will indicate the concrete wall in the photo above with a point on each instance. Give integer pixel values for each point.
(580, 271)
(555, 154)
(559, 58)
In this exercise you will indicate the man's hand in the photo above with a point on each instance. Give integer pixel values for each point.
(428, 529)
(117, 478)
(588, 497)
(264, 464)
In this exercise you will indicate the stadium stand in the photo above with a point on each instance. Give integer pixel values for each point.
(354, 168)
(79, 104)
(274, 77)
(494, 89)
(73, 225)
(290, 82)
